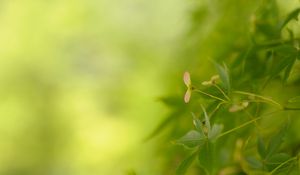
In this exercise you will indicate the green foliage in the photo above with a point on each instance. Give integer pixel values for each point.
(261, 148)
(275, 142)
(206, 157)
(237, 112)
(293, 15)
(283, 58)
(224, 75)
(185, 164)
(192, 139)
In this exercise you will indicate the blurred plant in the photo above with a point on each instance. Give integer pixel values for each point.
(205, 135)
(223, 140)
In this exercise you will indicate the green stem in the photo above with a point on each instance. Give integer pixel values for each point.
(222, 92)
(218, 106)
(212, 96)
(291, 109)
(252, 117)
(236, 128)
(274, 43)
(261, 97)
(279, 166)
(262, 101)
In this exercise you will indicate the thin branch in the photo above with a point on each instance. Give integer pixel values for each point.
(212, 96)
(218, 106)
(245, 124)
(241, 126)
(222, 92)
(279, 166)
(261, 97)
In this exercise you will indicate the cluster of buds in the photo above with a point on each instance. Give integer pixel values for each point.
(212, 81)
(238, 107)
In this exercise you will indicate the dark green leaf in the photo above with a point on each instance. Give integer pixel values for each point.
(291, 33)
(293, 15)
(224, 75)
(185, 164)
(261, 148)
(280, 64)
(206, 157)
(254, 163)
(275, 142)
(192, 139)
(288, 70)
(285, 50)
(277, 159)
(267, 18)
(283, 58)
(215, 131)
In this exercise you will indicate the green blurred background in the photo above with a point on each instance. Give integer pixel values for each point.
(80, 79)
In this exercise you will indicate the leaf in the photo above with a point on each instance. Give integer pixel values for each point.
(254, 163)
(197, 123)
(293, 15)
(285, 49)
(279, 64)
(207, 122)
(277, 159)
(266, 17)
(206, 157)
(185, 164)
(261, 148)
(192, 139)
(288, 70)
(215, 131)
(283, 58)
(291, 34)
(275, 142)
(224, 75)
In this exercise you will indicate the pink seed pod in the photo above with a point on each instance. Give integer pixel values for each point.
(188, 83)
(187, 79)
